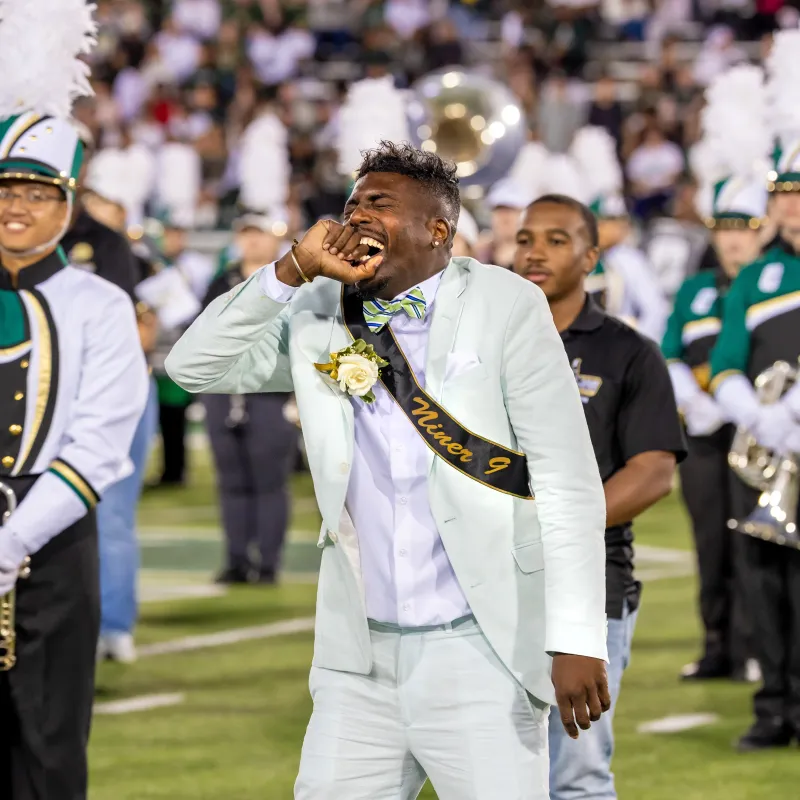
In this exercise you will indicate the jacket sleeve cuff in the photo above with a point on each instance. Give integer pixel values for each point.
(274, 288)
(577, 639)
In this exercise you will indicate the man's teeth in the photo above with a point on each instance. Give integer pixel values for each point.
(370, 242)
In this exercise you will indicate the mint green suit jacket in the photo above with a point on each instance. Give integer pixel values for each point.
(533, 571)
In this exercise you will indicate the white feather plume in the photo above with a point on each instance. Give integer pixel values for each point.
(529, 167)
(783, 86)
(563, 177)
(178, 180)
(595, 154)
(40, 45)
(735, 124)
(264, 168)
(373, 110)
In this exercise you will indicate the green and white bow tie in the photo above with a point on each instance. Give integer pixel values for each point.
(378, 312)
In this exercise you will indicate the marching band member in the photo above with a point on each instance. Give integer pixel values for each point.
(637, 439)
(733, 200)
(761, 325)
(73, 387)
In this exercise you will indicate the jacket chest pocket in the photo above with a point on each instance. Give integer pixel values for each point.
(529, 557)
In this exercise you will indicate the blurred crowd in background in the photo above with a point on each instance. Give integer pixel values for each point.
(196, 72)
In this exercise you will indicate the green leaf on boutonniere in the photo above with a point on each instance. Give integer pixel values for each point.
(369, 397)
(359, 346)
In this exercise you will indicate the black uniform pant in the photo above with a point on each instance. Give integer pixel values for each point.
(711, 492)
(172, 421)
(773, 594)
(46, 698)
(254, 460)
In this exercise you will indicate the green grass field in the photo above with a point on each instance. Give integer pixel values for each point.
(241, 709)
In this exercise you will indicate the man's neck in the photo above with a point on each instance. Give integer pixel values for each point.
(396, 288)
(566, 309)
(14, 264)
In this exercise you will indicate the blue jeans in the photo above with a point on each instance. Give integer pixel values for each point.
(116, 528)
(580, 769)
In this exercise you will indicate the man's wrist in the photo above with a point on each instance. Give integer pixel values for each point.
(286, 272)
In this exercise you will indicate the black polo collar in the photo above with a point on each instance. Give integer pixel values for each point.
(590, 318)
(30, 277)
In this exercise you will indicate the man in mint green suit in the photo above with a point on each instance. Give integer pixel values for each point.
(436, 402)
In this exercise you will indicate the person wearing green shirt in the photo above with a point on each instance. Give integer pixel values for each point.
(761, 325)
(709, 487)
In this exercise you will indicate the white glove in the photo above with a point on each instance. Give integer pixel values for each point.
(793, 440)
(703, 416)
(792, 400)
(12, 554)
(738, 400)
(772, 427)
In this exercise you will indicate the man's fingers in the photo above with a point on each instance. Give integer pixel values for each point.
(347, 273)
(333, 231)
(341, 240)
(356, 255)
(348, 249)
(567, 717)
(604, 693)
(581, 711)
(595, 707)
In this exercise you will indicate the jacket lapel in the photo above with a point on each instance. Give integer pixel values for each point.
(447, 309)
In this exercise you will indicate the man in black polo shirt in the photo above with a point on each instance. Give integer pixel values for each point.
(637, 438)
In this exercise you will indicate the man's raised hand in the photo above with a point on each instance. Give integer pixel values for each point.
(332, 250)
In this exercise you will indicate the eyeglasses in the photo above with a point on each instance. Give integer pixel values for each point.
(33, 197)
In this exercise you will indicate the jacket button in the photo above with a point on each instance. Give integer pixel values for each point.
(19, 396)
(8, 461)
(344, 467)
(16, 430)
(23, 364)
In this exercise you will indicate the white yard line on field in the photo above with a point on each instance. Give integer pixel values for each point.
(142, 703)
(223, 638)
(677, 723)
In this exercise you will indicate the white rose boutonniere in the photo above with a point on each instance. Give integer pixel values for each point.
(355, 369)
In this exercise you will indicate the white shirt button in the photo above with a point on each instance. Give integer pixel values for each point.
(398, 448)
(406, 606)
(402, 552)
(344, 467)
(403, 501)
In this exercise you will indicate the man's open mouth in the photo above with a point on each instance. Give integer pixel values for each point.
(374, 246)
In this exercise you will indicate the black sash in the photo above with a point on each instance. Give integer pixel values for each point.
(482, 460)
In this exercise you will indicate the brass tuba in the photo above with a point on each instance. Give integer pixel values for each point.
(777, 476)
(470, 119)
(8, 633)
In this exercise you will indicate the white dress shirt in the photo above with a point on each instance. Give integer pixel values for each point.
(408, 578)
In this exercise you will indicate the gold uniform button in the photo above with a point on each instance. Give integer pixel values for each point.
(15, 429)
(8, 461)
(23, 364)
(19, 396)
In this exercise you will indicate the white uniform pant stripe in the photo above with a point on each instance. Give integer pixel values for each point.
(438, 703)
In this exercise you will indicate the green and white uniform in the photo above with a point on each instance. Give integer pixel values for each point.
(762, 318)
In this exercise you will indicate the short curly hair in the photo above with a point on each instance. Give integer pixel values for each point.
(429, 169)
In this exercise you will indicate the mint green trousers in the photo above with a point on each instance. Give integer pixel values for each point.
(438, 704)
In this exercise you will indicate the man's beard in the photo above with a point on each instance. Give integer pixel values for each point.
(371, 289)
